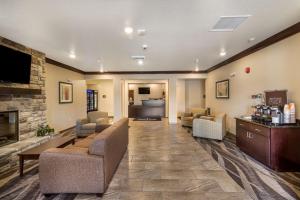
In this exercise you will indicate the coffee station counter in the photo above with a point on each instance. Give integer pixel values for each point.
(269, 124)
(276, 146)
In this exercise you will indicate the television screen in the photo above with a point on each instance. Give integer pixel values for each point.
(144, 90)
(15, 66)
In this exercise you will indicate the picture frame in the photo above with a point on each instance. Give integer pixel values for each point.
(65, 92)
(222, 89)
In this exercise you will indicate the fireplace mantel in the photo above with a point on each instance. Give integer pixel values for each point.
(19, 91)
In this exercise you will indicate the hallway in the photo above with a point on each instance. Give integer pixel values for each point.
(165, 162)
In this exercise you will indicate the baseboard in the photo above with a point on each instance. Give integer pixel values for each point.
(62, 131)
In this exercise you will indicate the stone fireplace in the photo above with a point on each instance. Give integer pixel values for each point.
(9, 127)
(28, 99)
(22, 110)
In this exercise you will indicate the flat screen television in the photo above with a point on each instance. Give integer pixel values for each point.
(15, 66)
(144, 90)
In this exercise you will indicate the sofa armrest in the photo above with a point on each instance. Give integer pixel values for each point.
(70, 170)
(186, 115)
(101, 121)
(81, 121)
(208, 129)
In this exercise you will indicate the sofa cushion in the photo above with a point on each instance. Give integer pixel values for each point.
(93, 116)
(85, 143)
(88, 126)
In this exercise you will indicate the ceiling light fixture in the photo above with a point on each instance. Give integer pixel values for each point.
(251, 39)
(145, 46)
(72, 55)
(197, 69)
(223, 53)
(140, 62)
(128, 30)
(141, 32)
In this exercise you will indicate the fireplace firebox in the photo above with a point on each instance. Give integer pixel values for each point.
(9, 127)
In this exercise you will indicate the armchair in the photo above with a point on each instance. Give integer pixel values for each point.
(95, 122)
(212, 129)
(187, 118)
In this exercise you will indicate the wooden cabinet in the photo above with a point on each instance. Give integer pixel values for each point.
(254, 140)
(275, 146)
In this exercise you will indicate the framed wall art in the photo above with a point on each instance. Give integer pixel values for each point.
(65, 92)
(222, 89)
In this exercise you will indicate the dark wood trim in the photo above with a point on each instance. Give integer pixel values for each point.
(263, 44)
(65, 130)
(145, 72)
(59, 64)
(19, 91)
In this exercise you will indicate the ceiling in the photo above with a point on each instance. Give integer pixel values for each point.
(177, 31)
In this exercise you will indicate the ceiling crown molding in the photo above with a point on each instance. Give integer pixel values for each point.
(294, 29)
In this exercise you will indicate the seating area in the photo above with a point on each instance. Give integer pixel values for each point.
(96, 121)
(87, 166)
(160, 100)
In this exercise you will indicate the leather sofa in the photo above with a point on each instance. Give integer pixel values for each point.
(187, 118)
(87, 166)
(96, 121)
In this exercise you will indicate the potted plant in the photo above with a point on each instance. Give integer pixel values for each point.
(44, 131)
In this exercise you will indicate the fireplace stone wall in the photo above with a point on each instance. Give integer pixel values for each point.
(32, 108)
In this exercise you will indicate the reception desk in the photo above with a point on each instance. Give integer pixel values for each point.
(148, 109)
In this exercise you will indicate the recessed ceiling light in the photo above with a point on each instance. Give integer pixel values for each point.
(141, 32)
(145, 46)
(128, 30)
(251, 39)
(197, 69)
(223, 53)
(140, 62)
(72, 55)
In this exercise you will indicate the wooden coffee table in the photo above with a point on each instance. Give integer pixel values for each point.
(34, 153)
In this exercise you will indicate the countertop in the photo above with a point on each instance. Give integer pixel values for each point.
(269, 125)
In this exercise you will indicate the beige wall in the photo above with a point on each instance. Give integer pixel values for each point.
(180, 96)
(63, 116)
(104, 87)
(275, 67)
(194, 91)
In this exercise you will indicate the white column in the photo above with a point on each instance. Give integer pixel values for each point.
(172, 101)
(117, 99)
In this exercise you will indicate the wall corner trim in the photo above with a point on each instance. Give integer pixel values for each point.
(292, 30)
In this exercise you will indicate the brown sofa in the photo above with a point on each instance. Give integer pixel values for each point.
(86, 167)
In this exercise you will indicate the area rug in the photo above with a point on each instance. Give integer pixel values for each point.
(147, 119)
(258, 181)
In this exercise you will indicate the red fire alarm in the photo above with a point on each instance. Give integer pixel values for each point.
(247, 70)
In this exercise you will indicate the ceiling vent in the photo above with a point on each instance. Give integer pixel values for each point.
(138, 57)
(229, 23)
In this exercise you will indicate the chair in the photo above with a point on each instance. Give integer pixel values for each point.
(212, 129)
(187, 118)
(95, 122)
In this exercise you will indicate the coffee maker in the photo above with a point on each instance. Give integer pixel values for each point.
(277, 115)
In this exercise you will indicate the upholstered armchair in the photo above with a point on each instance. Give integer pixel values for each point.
(187, 118)
(212, 128)
(95, 122)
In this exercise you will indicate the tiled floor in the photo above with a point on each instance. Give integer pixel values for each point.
(165, 162)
